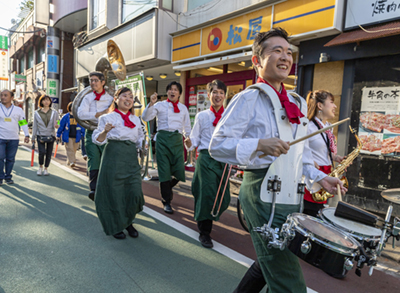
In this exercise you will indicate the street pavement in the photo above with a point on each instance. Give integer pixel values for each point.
(231, 242)
(51, 241)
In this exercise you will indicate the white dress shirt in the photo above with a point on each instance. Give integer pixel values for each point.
(120, 131)
(9, 130)
(248, 118)
(202, 131)
(167, 119)
(89, 107)
(318, 145)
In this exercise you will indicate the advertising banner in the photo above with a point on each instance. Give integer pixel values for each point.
(379, 127)
(3, 58)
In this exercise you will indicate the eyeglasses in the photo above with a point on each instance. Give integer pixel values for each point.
(94, 80)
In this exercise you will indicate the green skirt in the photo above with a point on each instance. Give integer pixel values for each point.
(206, 179)
(119, 195)
(281, 269)
(170, 160)
(93, 152)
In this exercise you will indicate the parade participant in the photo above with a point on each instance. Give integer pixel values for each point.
(11, 118)
(320, 108)
(44, 124)
(172, 121)
(94, 105)
(119, 195)
(208, 173)
(69, 128)
(249, 129)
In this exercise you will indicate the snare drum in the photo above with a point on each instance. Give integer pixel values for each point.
(367, 235)
(320, 244)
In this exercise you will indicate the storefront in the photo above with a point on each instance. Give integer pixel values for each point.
(221, 48)
(362, 69)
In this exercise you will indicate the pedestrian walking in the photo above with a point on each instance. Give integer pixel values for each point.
(172, 122)
(119, 195)
(11, 119)
(210, 176)
(71, 134)
(44, 124)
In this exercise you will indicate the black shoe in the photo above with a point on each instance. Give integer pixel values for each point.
(132, 231)
(9, 181)
(1, 182)
(91, 195)
(205, 240)
(168, 209)
(120, 235)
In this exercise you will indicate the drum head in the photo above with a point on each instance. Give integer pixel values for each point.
(350, 226)
(325, 233)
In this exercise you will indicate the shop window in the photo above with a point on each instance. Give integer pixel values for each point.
(131, 9)
(40, 52)
(241, 66)
(30, 58)
(192, 4)
(98, 13)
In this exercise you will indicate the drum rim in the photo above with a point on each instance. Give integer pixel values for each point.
(355, 234)
(338, 248)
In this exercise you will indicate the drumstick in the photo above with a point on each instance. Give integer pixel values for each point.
(314, 133)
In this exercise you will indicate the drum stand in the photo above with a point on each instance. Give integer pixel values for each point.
(269, 234)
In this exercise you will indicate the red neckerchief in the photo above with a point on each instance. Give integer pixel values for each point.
(217, 114)
(292, 111)
(97, 98)
(331, 137)
(176, 108)
(125, 117)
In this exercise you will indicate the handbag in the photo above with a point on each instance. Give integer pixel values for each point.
(46, 139)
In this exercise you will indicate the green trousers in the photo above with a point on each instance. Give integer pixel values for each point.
(93, 152)
(281, 269)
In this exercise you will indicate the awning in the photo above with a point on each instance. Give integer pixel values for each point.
(362, 34)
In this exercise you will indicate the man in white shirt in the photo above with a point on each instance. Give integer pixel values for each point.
(249, 129)
(172, 122)
(11, 119)
(208, 186)
(91, 108)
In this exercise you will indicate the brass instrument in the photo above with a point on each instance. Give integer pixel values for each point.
(112, 60)
(323, 195)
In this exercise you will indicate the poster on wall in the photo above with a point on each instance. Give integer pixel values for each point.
(192, 108)
(379, 126)
(203, 103)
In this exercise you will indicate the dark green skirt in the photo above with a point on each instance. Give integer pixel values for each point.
(281, 269)
(119, 195)
(93, 152)
(170, 160)
(206, 179)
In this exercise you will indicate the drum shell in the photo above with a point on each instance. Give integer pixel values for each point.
(319, 256)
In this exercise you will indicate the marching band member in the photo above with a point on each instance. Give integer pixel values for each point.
(208, 173)
(172, 121)
(119, 195)
(248, 129)
(11, 118)
(94, 105)
(321, 108)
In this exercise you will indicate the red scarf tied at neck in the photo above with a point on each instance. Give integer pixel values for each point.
(97, 98)
(217, 114)
(292, 111)
(176, 108)
(127, 121)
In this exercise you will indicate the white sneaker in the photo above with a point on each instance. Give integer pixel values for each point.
(45, 173)
(40, 171)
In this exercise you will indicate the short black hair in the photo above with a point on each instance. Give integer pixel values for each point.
(259, 41)
(120, 91)
(10, 91)
(178, 85)
(218, 83)
(98, 74)
(69, 106)
(42, 98)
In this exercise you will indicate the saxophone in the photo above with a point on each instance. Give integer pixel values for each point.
(323, 195)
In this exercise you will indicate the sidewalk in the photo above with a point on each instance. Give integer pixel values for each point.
(52, 241)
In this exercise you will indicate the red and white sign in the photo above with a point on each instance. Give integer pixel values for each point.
(192, 100)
